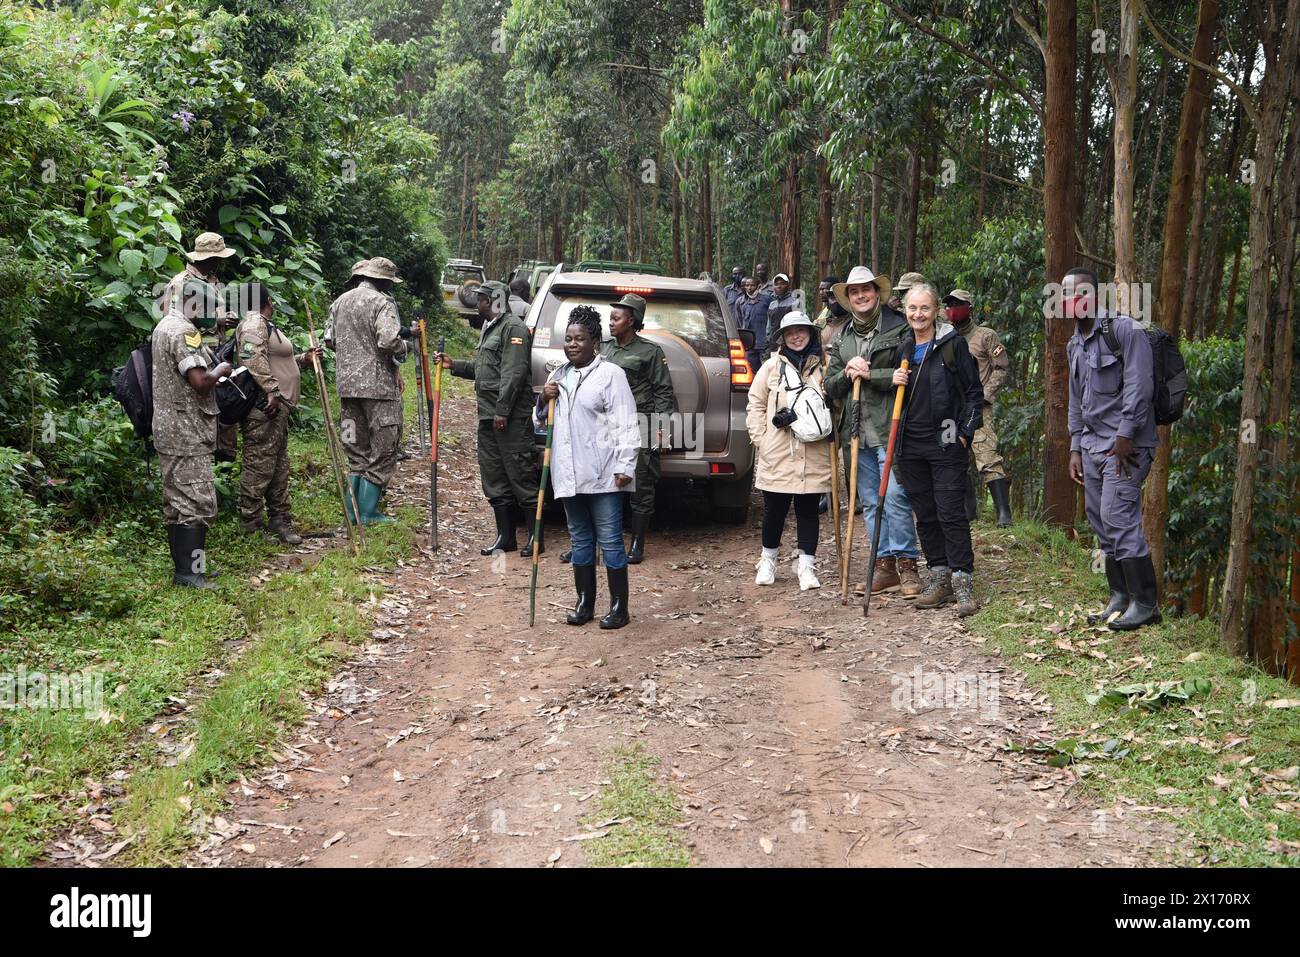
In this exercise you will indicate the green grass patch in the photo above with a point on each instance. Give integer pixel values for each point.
(648, 810)
(1218, 761)
(101, 600)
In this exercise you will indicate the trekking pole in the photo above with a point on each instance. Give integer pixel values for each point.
(433, 398)
(332, 441)
(835, 503)
(541, 499)
(853, 495)
(420, 400)
(884, 487)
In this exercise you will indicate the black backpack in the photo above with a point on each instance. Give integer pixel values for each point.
(239, 394)
(133, 389)
(1169, 371)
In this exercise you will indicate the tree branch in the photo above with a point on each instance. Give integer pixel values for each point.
(1247, 105)
(970, 55)
(1029, 29)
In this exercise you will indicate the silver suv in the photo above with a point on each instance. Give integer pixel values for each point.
(690, 321)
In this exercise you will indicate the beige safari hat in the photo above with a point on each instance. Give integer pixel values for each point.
(377, 268)
(209, 246)
(858, 276)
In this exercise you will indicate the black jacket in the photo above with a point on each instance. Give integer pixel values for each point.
(955, 394)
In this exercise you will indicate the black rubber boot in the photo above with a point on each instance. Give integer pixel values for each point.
(527, 550)
(186, 543)
(636, 551)
(1143, 607)
(505, 541)
(584, 580)
(1001, 501)
(618, 616)
(1118, 593)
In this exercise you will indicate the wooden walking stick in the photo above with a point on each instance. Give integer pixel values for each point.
(853, 494)
(420, 398)
(835, 502)
(541, 499)
(884, 487)
(433, 399)
(332, 440)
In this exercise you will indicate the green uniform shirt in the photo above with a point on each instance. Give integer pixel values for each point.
(646, 368)
(501, 368)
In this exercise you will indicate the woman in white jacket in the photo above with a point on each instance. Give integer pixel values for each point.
(593, 461)
(788, 470)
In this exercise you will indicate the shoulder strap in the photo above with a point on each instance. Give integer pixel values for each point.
(948, 352)
(1112, 339)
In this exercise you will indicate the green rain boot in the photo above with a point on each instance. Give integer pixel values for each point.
(368, 502)
(347, 498)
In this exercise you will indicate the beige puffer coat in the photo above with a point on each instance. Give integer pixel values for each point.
(783, 463)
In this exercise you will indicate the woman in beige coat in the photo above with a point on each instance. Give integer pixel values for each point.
(788, 470)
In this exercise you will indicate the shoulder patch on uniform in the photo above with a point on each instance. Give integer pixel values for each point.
(195, 340)
(248, 349)
(997, 351)
(516, 341)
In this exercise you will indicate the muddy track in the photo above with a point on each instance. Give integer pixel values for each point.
(785, 723)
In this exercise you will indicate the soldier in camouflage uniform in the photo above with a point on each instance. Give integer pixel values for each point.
(646, 368)
(207, 261)
(501, 370)
(994, 366)
(369, 346)
(268, 355)
(185, 427)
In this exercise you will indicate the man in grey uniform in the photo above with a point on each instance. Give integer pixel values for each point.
(1112, 442)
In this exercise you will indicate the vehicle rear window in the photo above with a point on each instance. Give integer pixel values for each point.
(455, 275)
(698, 321)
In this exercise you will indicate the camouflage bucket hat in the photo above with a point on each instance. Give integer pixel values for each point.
(907, 281)
(209, 246)
(631, 301)
(359, 265)
(959, 295)
(377, 268)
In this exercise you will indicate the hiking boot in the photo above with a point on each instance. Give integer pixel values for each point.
(584, 580)
(909, 580)
(1001, 501)
(766, 568)
(1119, 596)
(1143, 607)
(886, 577)
(505, 540)
(282, 528)
(938, 590)
(618, 616)
(566, 555)
(963, 586)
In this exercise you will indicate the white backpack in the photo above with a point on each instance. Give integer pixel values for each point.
(812, 416)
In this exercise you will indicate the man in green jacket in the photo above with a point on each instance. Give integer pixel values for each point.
(864, 349)
(501, 370)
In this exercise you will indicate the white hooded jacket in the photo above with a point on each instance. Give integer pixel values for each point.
(596, 430)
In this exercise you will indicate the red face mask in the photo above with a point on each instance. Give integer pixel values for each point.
(958, 314)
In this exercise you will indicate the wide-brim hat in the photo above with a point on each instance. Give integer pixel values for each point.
(209, 246)
(377, 268)
(795, 318)
(959, 295)
(359, 265)
(860, 275)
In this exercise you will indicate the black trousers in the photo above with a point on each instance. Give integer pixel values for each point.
(776, 506)
(936, 480)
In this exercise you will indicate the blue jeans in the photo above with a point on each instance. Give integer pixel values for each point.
(897, 530)
(596, 518)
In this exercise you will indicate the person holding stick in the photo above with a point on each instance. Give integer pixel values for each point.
(789, 470)
(369, 345)
(942, 404)
(594, 448)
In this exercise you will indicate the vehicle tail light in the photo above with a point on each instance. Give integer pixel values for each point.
(639, 290)
(721, 468)
(742, 376)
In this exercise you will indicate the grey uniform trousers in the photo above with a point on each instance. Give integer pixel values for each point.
(1113, 503)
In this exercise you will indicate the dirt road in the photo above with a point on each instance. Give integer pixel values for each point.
(791, 731)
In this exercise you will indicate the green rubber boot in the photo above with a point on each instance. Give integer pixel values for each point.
(347, 499)
(368, 502)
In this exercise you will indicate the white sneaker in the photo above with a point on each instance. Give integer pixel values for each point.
(807, 575)
(766, 571)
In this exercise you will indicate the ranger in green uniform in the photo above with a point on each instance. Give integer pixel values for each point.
(501, 369)
(646, 368)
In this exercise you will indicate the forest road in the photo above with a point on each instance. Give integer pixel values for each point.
(792, 731)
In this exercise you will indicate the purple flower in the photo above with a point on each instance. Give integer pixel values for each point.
(185, 117)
